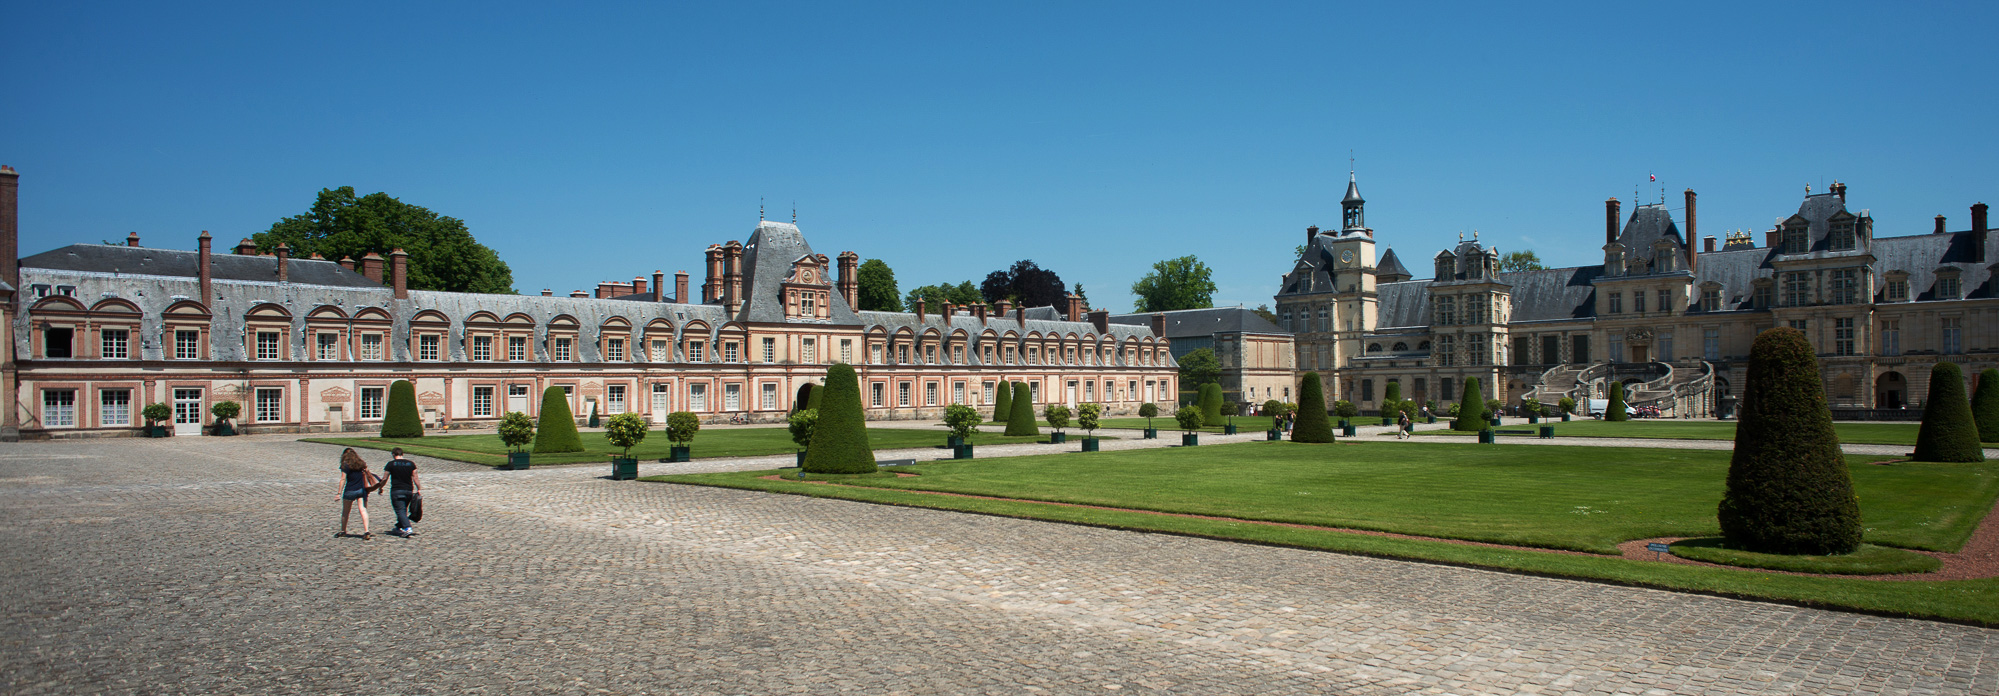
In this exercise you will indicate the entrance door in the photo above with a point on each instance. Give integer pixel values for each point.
(662, 402)
(517, 397)
(1638, 354)
(1072, 393)
(187, 411)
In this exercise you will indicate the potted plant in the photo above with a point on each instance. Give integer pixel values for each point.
(225, 413)
(625, 430)
(156, 415)
(1431, 406)
(1346, 411)
(1189, 418)
(680, 429)
(1229, 409)
(1533, 409)
(802, 423)
(1493, 407)
(1567, 406)
(1057, 416)
(963, 421)
(1277, 411)
(1087, 416)
(516, 430)
(1149, 411)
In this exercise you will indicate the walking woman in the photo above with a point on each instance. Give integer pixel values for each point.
(356, 483)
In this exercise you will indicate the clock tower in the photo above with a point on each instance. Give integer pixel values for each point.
(1328, 301)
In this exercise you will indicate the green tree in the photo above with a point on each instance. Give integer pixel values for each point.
(1471, 410)
(1199, 367)
(557, 430)
(1985, 405)
(1311, 425)
(802, 424)
(1020, 421)
(443, 254)
(1182, 283)
(1566, 404)
(681, 427)
(401, 418)
(1522, 260)
(1616, 410)
(1788, 486)
(1087, 417)
(1027, 284)
(1148, 411)
(1189, 418)
(1948, 434)
(516, 429)
(934, 296)
(1057, 416)
(961, 419)
(1211, 404)
(840, 437)
(1080, 295)
(1392, 393)
(1003, 403)
(1263, 310)
(876, 289)
(626, 430)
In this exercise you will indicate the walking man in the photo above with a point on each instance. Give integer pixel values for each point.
(404, 486)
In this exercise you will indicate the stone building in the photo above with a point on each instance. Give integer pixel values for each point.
(1256, 357)
(1671, 319)
(95, 332)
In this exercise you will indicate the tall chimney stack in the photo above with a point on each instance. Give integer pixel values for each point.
(246, 247)
(399, 272)
(1075, 312)
(132, 240)
(347, 262)
(732, 274)
(1693, 259)
(1004, 307)
(919, 310)
(1978, 230)
(1940, 227)
(1707, 244)
(1610, 208)
(680, 287)
(1311, 233)
(658, 285)
(371, 266)
(1158, 325)
(10, 227)
(850, 278)
(979, 310)
(284, 261)
(638, 285)
(201, 259)
(711, 288)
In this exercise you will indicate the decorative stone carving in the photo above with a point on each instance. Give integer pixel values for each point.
(1639, 336)
(335, 395)
(430, 398)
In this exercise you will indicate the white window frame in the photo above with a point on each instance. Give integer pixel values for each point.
(114, 344)
(114, 407)
(482, 401)
(268, 404)
(372, 408)
(58, 408)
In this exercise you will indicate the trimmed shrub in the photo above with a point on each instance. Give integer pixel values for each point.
(1003, 404)
(1985, 405)
(1566, 405)
(961, 419)
(1344, 408)
(556, 431)
(1788, 488)
(1211, 404)
(1020, 421)
(681, 427)
(1948, 433)
(625, 430)
(1616, 411)
(1148, 411)
(1391, 394)
(1273, 408)
(516, 429)
(802, 424)
(225, 410)
(1087, 416)
(1311, 425)
(1494, 407)
(1190, 418)
(158, 412)
(1471, 409)
(1057, 416)
(401, 418)
(840, 437)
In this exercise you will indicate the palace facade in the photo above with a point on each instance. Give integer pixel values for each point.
(1670, 320)
(95, 332)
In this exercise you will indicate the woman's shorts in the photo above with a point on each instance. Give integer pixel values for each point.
(357, 494)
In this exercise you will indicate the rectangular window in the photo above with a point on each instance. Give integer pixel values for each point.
(267, 345)
(115, 344)
(1665, 347)
(930, 354)
(1898, 290)
(1711, 299)
(1843, 285)
(1798, 324)
(659, 351)
(1133, 392)
(847, 350)
(902, 355)
(329, 346)
(1367, 390)
(875, 354)
(770, 350)
(1842, 236)
(930, 393)
(1842, 336)
(371, 346)
(875, 394)
(563, 348)
(1760, 297)
(902, 394)
(1616, 303)
(694, 351)
(1579, 349)
(59, 408)
(1797, 288)
(1638, 301)
(614, 350)
(427, 345)
(1522, 351)
(517, 348)
(1033, 392)
(730, 352)
(1447, 386)
(732, 397)
(810, 348)
(1953, 335)
(1711, 343)
(769, 397)
(957, 355)
(1090, 391)
(58, 342)
(371, 402)
(1446, 311)
(187, 345)
(614, 398)
(1891, 338)
(270, 405)
(482, 348)
(957, 392)
(1795, 241)
(1947, 288)
(988, 391)
(1446, 351)
(1616, 348)
(1665, 300)
(114, 407)
(482, 402)
(697, 397)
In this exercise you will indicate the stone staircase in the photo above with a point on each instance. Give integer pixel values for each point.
(1677, 391)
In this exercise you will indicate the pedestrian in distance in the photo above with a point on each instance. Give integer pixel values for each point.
(404, 489)
(1402, 426)
(356, 483)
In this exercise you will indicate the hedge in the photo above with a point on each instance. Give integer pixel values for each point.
(840, 436)
(1211, 404)
(1312, 425)
(1788, 487)
(1948, 434)
(1471, 410)
(1020, 420)
(556, 431)
(1985, 405)
(401, 418)
(1003, 404)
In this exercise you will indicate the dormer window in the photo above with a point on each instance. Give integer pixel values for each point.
(1795, 240)
(1947, 285)
(1842, 235)
(1897, 289)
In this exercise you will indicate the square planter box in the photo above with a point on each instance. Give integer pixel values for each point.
(1273, 435)
(1494, 420)
(1387, 421)
(962, 452)
(1151, 433)
(677, 453)
(624, 469)
(1433, 420)
(1565, 418)
(1486, 437)
(953, 441)
(1547, 431)
(1347, 430)
(223, 430)
(1228, 429)
(1089, 444)
(517, 461)
(801, 458)
(1344, 423)
(1057, 438)
(1190, 439)
(156, 431)
(1531, 418)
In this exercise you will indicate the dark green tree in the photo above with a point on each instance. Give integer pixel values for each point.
(556, 431)
(401, 419)
(1523, 260)
(1020, 421)
(1985, 405)
(934, 296)
(1027, 284)
(1312, 425)
(1173, 284)
(1263, 310)
(840, 436)
(1471, 410)
(1003, 403)
(1616, 410)
(1949, 434)
(876, 288)
(1788, 486)
(443, 254)
(1393, 393)
(1199, 367)
(1211, 405)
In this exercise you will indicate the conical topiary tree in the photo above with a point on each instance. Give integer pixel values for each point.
(556, 431)
(401, 419)
(1616, 411)
(1020, 420)
(1003, 404)
(1788, 487)
(1948, 433)
(1471, 410)
(840, 437)
(1211, 404)
(1392, 394)
(1985, 405)
(1311, 425)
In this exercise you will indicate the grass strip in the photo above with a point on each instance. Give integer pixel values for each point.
(1867, 560)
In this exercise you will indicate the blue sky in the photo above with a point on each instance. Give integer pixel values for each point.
(951, 140)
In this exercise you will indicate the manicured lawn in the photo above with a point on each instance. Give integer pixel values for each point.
(1866, 560)
(1851, 433)
(708, 444)
(1574, 498)
(1165, 422)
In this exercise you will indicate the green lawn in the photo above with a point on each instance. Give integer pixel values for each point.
(1165, 422)
(708, 444)
(1572, 498)
(1850, 433)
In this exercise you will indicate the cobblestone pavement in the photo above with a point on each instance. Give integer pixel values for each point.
(205, 565)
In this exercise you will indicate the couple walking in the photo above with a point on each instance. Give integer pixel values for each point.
(405, 490)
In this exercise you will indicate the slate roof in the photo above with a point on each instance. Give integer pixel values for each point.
(1649, 223)
(1353, 191)
(104, 258)
(1190, 323)
(767, 259)
(1389, 265)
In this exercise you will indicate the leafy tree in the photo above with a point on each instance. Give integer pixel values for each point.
(1344, 408)
(1616, 410)
(1173, 284)
(1057, 416)
(1199, 367)
(1523, 260)
(1211, 404)
(1566, 404)
(1471, 410)
(1985, 405)
(801, 424)
(625, 430)
(1026, 284)
(1276, 409)
(1148, 411)
(681, 427)
(1087, 417)
(1948, 434)
(443, 254)
(1263, 310)
(225, 410)
(840, 437)
(876, 287)
(1189, 418)
(1788, 486)
(934, 296)
(1392, 393)
(1003, 403)
(401, 419)
(1312, 425)
(1021, 420)
(1494, 407)
(156, 413)
(962, 420)
(557, 430)
(1080, 295)
(516, 429)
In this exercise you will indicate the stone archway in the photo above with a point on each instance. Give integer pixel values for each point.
(1891, 390)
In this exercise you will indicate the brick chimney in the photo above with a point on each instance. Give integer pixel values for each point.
(1707, 244)
(1003, 306)
(246, 247)
(1774, 239)
(1020, 316)
(919, 310)
(10, 228)
(1158, 325)
(1311, 233)
(680, 287)
(132, 240)
(1075, 312)
(658, 285)
(979, 310)
(1978, 230)
(850, 278)
(207, 292)
(1940, 228)
(347, 262)
(1610, 208)
(732, 274)
(548, 292)
(371, 266)
(1693, 259)
(284, 262)
(399, 273)
(711, 287)
(579, 294)
(638, 285)
(1102, 320)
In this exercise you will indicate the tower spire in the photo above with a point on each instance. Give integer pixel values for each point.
(1353, 215)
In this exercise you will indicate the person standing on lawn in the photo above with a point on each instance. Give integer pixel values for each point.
(404, 486)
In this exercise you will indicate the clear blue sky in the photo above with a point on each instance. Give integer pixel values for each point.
(951, 140)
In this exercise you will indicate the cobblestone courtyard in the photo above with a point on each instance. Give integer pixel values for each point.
(208, 565)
